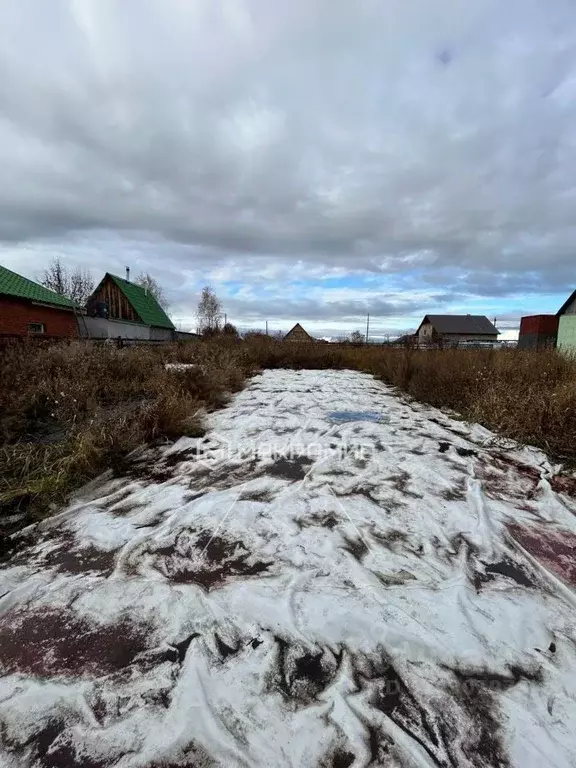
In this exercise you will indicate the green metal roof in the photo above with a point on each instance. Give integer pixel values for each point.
(20, 287)
(148, 309)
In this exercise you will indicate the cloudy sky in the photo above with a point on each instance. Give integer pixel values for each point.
(312, 160)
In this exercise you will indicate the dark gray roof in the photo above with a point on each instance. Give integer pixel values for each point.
(461, 324)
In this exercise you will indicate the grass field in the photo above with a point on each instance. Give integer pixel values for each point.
(68, 411)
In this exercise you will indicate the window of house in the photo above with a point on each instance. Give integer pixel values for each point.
(36, 328)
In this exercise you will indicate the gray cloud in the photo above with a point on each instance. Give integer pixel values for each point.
(376, 137)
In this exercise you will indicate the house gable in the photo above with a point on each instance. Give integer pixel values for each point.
(128, 301)
(297, 333)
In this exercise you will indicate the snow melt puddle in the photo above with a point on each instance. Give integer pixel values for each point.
(343, 416)
(295, 590)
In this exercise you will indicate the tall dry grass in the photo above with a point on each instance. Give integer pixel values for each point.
(68, 411)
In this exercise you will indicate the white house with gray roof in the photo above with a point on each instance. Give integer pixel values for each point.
(454, 329)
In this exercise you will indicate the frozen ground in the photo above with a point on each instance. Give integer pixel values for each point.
(332, 577)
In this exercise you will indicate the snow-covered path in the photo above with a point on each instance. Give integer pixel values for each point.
(332, 577)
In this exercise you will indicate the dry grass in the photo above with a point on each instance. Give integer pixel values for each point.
(70, 410)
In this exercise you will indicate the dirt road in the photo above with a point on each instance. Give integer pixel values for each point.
(331, 577)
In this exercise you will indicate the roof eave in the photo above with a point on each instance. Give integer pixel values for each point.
(64, 307)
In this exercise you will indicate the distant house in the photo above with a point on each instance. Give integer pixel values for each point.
(121, 309)
(567, 324)
(454, 329)
(298, 334)
(29, 309)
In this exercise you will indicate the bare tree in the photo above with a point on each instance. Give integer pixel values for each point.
(145, 280)
(76, 284)
(356, 337)
(209, 312)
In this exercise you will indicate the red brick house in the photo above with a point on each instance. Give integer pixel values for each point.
(29, 309)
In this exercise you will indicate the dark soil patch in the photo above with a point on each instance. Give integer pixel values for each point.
(224, 649)
(456, 493)
(391, 538)
(443, 447)
(459, 432)
(556, 550)
(356, 547)
(475, 690)
(301, 675)
(322, 520)
(51, 641)
(53, 747)
(193, 756)
(509, 570)
(66, 556)
(182, 647)
(523, 469)
(173, 459)
(290, 469)
(496, 681)
(363, 489)
(148, 469)
(342, 759)
(206, 560)
(71, 558)
(400, 483)
(504, 478)
(256, 495)
(466, 452)
(229, 476)
(390, 694)
(564, 484)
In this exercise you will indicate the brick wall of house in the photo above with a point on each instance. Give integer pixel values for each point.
(15, 316)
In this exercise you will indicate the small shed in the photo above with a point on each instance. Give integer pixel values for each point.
(298, 334)
(120, 308)
(29, 309)
(567, 324)
(538, 332)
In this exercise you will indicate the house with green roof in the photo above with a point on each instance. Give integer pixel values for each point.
(29, 309)
(119, 308)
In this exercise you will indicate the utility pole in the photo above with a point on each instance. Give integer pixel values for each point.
(266, 327)
(367, 327)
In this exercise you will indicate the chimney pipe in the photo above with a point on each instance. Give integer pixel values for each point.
(128, 274)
